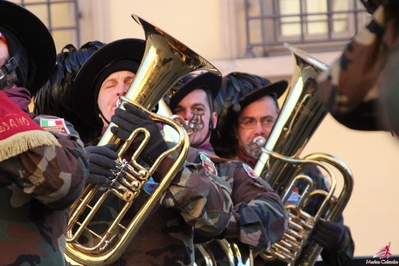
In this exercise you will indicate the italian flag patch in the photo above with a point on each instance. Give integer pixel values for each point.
(56, 125)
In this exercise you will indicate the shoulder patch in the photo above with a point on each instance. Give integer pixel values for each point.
(249, 170)
(208, 164)
(56, 125)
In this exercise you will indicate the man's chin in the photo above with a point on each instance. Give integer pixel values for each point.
(193, 141)
(256, 153)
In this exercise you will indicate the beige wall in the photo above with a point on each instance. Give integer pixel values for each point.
(212, 28)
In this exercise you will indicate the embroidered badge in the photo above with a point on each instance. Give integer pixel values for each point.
(208, 164)
(54, 125)
(249, 171)
(150, 186)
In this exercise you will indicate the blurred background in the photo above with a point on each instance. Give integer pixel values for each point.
(248, 36)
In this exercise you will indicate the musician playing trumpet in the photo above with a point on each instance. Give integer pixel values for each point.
(248, 108)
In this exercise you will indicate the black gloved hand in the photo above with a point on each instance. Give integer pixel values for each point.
(329, 234)
(101, 161)
(132, 118)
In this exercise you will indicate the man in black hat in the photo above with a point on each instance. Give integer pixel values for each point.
(166, 236)
(249, 105)
(259, 218)
(41, 172)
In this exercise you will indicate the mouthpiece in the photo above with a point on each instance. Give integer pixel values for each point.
(259, 141)
(184, 124)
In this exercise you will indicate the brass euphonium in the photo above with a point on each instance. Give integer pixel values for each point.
(164, 62)
(279, 164)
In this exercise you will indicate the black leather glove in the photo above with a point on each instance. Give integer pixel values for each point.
(132, 118)
(329, 234)
(101, 161)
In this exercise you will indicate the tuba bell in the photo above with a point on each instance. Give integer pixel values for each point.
(279, 164)
(164, 62)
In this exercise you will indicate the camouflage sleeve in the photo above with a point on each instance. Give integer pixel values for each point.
(54, 175)
(202, 198)
(259, 218)
(350, 80)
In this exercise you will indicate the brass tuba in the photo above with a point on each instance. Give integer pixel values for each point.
(236, 254)
(164, 62)
(279, 164)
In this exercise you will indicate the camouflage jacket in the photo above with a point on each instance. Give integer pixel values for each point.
(37, 188)
(259, 218)
(339, 255)
(195, 199)
(352, 85)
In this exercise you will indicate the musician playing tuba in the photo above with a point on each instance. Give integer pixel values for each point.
(248, 107)
(259, 218)
(196, 199)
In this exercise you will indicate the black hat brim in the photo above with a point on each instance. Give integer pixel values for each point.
(275, 89)
(83, 89)
(208, 80)
(34, 36)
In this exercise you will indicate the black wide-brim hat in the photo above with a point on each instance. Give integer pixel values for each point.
(275, 89)
(84, 90)
(207, 80)
(35, 38)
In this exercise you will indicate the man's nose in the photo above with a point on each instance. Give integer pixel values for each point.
(122, 88)
(259, 129)
(186, 115)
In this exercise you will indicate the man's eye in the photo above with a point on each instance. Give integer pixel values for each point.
(249, 121)
(129, 81)
(176, 111)
(267, 122)
(198, 110)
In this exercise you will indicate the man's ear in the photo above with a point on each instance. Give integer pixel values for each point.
(214, 121)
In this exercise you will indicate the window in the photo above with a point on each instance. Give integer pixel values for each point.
(60, 16)
(313, 25)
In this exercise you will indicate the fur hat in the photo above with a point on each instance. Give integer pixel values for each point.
(55, 97)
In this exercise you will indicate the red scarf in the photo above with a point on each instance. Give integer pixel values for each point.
(20, 96)
(242, 155)
(18, 132)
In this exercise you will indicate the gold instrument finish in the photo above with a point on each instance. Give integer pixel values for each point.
(237, 254)
(165, 61)
(302, 112)
(279, 164)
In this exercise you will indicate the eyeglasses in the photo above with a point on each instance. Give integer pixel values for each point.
(250, 123)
